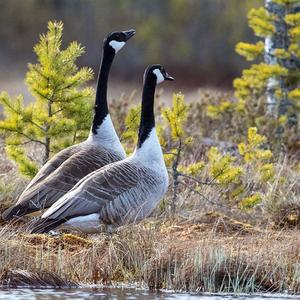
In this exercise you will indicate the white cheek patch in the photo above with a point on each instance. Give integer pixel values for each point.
(159, 76)
(117, 45)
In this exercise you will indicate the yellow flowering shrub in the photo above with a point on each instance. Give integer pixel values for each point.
(255, 156)
(176, 116)
(132, 123)
(222, 168)
(261, 22)
(193, 169)
(251, 201)
(169, 157)
(250, 51)
(216, 111)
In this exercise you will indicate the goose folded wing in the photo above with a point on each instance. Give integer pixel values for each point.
(50, 167)
(65, 177)
(94, 191)
(135, 203)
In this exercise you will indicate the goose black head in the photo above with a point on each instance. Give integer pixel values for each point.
(115, 41)
(157, 73)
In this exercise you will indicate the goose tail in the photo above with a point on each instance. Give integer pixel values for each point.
(15, 211)
(44, 225)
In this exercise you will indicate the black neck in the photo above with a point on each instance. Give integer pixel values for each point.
(147, 114)
(101, 107)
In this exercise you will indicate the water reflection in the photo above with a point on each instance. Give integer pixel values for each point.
(116, 294)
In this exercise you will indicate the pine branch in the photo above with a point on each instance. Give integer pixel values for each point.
(41, 95)
(38, 126)
(68, 100)
(34, 67)
(25, 135)
(57, 111)
(28, 120)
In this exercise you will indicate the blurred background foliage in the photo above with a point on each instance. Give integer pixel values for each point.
(194, 39)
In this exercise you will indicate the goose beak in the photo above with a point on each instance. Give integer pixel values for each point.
(168, 77)
(129, 33)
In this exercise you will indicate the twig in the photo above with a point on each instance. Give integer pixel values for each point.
(203, 196)
(170, 153)
(25, 135)
(56, 112)
(196, 180)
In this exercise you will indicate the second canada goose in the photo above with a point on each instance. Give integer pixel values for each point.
(67, 167)
(123, 191)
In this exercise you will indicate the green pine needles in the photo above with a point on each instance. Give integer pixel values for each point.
(61, 113)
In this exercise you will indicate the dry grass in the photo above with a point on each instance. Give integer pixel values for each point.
(180, 255)
(11, 183)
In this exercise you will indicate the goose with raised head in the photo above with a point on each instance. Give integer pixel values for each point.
(102, 147)
(124, 191)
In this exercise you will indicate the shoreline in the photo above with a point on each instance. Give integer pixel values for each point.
(128, 287)
(161, 256)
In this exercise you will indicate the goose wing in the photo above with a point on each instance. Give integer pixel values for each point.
(119, 192)
(65, 177)
(136, 202)
(50, 167)
(95, 191)
(23, 207)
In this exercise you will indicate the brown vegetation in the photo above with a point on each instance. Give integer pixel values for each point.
(217, 256)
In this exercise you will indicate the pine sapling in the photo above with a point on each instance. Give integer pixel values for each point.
(61, 111)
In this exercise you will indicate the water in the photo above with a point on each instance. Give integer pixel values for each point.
(119, 294)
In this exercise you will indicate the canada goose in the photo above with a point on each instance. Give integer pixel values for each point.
(120, 192)
(67, 167)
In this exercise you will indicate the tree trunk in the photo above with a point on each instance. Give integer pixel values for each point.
(280, 40)
(175, 175)
(47, 138)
